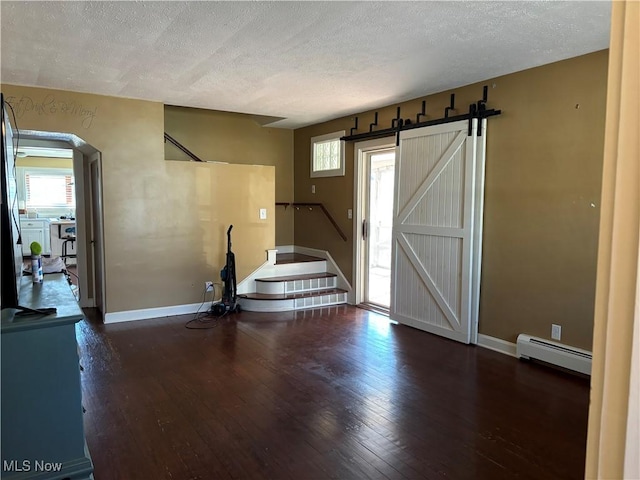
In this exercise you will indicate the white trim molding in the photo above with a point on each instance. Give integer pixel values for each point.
(360, 151)
(497, 345)
(285, 249)
(247, 283)
(339, 169)
(157, 312)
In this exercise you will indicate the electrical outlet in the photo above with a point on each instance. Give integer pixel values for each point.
(208, 286)
(350, 214)
(556, 331)
(313, 189)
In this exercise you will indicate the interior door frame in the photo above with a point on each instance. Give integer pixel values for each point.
(360, 149)
(82, 153)
(82, 255)
(96, 159)
(478, 220)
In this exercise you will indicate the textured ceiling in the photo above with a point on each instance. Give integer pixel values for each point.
(302, 62)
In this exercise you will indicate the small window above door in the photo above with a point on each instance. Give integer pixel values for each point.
(327, 155)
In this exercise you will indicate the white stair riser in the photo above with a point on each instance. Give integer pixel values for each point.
(252, 305)
(284, 269)
(295, 286)
(320, 301)
(248, 285)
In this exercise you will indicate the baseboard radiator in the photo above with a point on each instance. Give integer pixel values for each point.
(555, 353)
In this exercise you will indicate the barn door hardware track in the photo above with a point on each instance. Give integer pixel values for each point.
(477, 110)
(423, 113)
(375, 123)
(355, 126)
(452, 105)
(395, 121)
(482, 106)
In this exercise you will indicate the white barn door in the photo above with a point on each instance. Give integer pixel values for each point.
(437, 229)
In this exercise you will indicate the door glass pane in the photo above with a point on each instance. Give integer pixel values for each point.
(380, 223)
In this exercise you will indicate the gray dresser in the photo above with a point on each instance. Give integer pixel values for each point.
(42, 424)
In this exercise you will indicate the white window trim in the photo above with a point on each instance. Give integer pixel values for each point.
(21, 173)
(336, 172)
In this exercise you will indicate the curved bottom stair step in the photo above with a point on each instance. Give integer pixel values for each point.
(281, 302)
(291, 296)
(296, 281)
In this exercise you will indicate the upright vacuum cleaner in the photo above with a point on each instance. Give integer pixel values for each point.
(228, 276)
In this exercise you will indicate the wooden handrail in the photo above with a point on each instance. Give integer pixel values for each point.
(181, 147)
(321, 207)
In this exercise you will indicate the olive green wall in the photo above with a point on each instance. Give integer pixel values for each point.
(164, 221)
(236, 138)
(542, 198)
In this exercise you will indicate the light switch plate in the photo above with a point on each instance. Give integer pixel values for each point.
(263, 214)
(556, 332)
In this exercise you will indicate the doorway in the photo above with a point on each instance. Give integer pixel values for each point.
(90, 277)
(380, 167)
(375, 166)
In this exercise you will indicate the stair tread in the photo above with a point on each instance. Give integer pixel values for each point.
(304, 276)
(284, 258)
(291, 296)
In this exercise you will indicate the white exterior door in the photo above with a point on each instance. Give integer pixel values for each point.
(437, 222)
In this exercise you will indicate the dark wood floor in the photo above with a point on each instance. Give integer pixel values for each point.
(332, 393)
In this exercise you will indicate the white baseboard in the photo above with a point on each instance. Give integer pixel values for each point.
(497, 345)
(158, 312)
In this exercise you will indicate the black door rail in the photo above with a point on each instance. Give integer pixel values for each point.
(477, 110)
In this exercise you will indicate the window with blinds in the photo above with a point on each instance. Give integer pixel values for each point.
(327, 155)
(49, 189)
